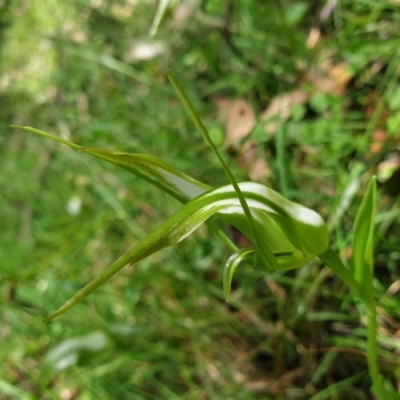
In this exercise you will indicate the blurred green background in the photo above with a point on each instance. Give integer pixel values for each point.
(303, 96)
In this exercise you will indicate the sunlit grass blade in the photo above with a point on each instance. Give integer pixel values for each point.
(230, 268)
(162, 10)
(224, 201)
(363, 247)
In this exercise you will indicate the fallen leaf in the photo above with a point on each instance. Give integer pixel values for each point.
(255, 166)
(223, 104)
(388, 167)
(281, 107)
(313, 37)
(240, 121)
(327, 10)
(331, 79)
(379, 137)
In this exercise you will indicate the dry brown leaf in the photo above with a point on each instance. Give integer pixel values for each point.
(379, 137)
(276, 289)
(387, 168)
(256, 167)
(313, 37)
(223, 104)
(240, 121)
(394, 288)
(281, 107)
(340, 75)
(181, 14)
(327, 10)
(259, 170)
(276, 385)
(334, 79)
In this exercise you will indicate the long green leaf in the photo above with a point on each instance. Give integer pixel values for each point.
(363, 247)
(330, 259)
(301, 222)
(362, 268)
(155, 171)
(383, 390)
(152, 169)
(48, 136)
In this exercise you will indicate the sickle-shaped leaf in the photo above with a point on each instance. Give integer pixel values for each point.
(225, 202)
(230, 267)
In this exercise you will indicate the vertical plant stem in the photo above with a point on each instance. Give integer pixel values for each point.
(372, 343)
(200, 126)
(281, 167)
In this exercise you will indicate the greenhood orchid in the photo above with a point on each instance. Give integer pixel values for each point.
(288, 234)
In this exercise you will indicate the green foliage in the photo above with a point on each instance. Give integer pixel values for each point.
(363, 246)
(279, 228)
(289, 234)
(72, 68)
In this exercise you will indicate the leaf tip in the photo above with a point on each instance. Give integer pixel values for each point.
(50, 317)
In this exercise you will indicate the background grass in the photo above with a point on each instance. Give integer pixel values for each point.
(161, 329)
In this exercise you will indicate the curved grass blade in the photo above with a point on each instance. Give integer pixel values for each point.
(223, 201)
(230, 268)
